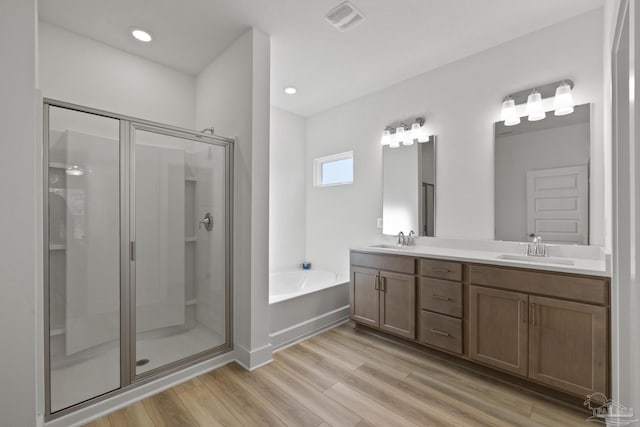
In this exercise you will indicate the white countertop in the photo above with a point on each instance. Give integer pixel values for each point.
(586, 260)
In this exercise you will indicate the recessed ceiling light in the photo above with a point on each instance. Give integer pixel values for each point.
(142, 35)
(290, 90)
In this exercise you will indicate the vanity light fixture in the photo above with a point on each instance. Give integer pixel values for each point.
(401, 133)
(509, 114)
(386, 137)
(563, 102)
(535, 110)
(401, 138)
(395, 142)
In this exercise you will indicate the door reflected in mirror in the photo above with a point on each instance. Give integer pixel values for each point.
(409, 188)
(542, 179)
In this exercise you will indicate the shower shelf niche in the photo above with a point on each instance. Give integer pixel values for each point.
(56, 332)
(56, 165)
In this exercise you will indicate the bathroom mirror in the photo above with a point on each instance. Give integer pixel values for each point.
(542, 178)
(409, 188)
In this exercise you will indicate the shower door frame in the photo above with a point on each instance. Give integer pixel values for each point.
(128, 378)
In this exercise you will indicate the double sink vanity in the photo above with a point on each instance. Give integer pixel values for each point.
(542, 321)
(536, 315)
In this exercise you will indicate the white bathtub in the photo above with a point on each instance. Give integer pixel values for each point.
(305, 302)
(291, 284)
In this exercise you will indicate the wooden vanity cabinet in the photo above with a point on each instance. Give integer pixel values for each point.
(549, 339)
(568, 345)
(397, 304)
(498, 329)
(440, 305)
(381, 298)
(365, 296)
(550, 328)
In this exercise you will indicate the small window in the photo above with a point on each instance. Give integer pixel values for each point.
(333, 170)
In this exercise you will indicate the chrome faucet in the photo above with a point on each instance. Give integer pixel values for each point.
(411, 239)
(401, 239)
(537, 248)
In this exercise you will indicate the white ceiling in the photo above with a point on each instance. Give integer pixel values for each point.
(399, 38)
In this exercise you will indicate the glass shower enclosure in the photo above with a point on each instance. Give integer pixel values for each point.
(137, 252)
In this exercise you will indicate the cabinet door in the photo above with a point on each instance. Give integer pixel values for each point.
(398, 304)
(498, 328)
(365, 301)
(568, 345)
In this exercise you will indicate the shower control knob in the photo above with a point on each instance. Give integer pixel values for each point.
(207, 221)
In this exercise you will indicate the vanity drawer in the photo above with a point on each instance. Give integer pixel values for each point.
(397, 263)
(441, 296)
(441, 269)
(441, 331)
(587, 289)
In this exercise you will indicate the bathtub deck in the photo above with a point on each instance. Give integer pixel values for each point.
(344, 378)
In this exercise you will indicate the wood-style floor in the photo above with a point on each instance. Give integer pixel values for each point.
(344, 378)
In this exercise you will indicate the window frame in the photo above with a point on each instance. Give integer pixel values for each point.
(320, 161)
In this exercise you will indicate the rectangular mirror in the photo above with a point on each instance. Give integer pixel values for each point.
(409, 188)
(542, 179)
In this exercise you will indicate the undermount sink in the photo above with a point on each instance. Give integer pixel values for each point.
(543, 260)
(395, 247)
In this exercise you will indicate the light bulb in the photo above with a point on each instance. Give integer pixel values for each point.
(386, 137)
(509, 113)
(535, 110)
(415, 131)
(401, 136)
(425, 134)
(563, 102)
(410, 135)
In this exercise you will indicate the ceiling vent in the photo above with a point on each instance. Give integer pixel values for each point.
(344, 17)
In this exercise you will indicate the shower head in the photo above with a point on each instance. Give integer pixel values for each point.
(210, 130)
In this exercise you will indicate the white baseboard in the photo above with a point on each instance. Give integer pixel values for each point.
(253, 359)
(90, 413)
(303, 330)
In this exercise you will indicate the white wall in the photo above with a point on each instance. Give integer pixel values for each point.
(82, 71)
(232, 94)
(461, 101)
(20, 217)
(287, 186)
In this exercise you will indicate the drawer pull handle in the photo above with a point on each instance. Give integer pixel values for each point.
(377, 283)
(436, 331)
(440, 270)
(440, 297)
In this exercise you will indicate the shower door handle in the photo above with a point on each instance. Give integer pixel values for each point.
(207, 221)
